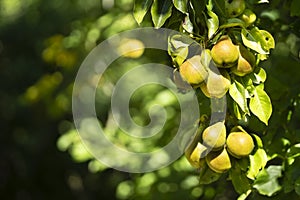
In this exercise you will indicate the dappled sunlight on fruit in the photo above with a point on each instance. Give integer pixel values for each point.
(192, 71)
(239, 144)
(131, 48)
(246, 62)
(218, 161)
(224, 53)
(214, 136)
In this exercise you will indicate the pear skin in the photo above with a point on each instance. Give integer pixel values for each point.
(192, 71)
(196, 156)
(224, 53)
(216, 85)
(245, 63)
(219, 161)
(239, 144)
(214, 136)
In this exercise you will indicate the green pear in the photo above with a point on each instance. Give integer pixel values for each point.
(245, 63)
(224, 53)
(195, 155)
(214, 136)
(239, 144)
(218, 161)
(234, 8)
(248, 16)
(217, 84)
(192, 71)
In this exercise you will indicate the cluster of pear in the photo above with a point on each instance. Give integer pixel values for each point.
(237, 8)
(198, 73)
(236, 57)
(228, 58)
(217, 149)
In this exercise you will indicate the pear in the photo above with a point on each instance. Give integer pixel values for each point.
(217, 84)
(218, 161)
(239, 144)
(234, 8)
(214, 136)
(131, 48)
(248, 16)
(196, 155)
(192, 71)
(224, 53)
(245, 63)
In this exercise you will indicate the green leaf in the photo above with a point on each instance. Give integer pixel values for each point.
(260, 104)
(180, 55)
(259, 75)
(252, 40)
(181, 5)
(238, 129)
(140, 9)
(208, 176)
(205, 58)
(295, 8)
(178, 48)
(244, 196)
(178, 41)
(187, 24)
(237, 111)
(161, 11)
(293, 151)
(213, 21)
(233, 22)
(266, 39)
(257, 162)
(243, 163)
(266, 182)
(239, 180)
(263, 1)
(291, 174)
(239, 95)
(247, 82)
(198, 6)
(258, 141)
(297, 186)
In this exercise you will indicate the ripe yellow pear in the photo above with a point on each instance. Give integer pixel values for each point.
(234, 8)
(192, 71)
(245, 63)
(214, 136)
(131, 48)
(239, 144)
(224, 53)
(196, 155)
(216, 85)
(218, 161)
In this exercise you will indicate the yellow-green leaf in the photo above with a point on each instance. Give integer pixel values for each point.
(259, 75)
(238, 94)
(267, 180)
(260, 105)
(213, 21)
(257, 162)
(252, 40)
(266, 40)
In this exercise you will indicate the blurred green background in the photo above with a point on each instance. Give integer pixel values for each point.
(42, 44)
